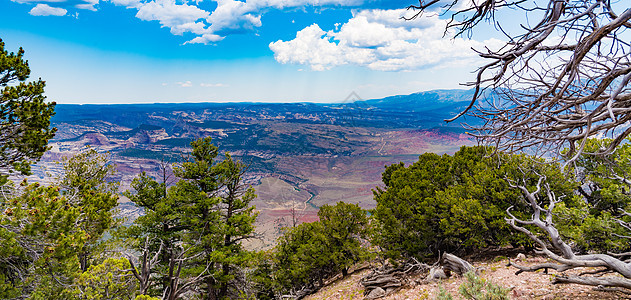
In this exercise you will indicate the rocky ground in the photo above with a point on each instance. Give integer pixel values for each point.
(523, 286)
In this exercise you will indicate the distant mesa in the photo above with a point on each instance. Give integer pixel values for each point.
(147, 134)
(95, 139)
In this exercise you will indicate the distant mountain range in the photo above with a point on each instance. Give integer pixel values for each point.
(418, 110)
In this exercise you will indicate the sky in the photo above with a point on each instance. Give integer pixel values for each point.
(146, 51)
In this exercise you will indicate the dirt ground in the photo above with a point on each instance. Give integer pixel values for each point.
(534, 285)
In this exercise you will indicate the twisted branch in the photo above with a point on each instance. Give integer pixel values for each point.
(553, 84)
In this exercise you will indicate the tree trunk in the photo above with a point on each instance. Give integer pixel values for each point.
(83, 261)
(211, 293)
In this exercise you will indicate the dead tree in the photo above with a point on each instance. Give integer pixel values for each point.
(558, 250)
(561, 77)
(388, 279)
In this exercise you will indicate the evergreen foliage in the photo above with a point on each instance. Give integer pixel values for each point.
(52, 233)
(604, 189)
(24, 115)
(604, 178)
(481, 289)
(189, 240)
(453, 203)
(111, 279)
(215, 206)
(476, 288)
(196, 226)
(157, 231)
(308, 254)
(345, 227)
(40, 239)
(300, 258)
(88, 183)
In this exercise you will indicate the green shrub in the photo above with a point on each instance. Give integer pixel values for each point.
(481, 289)
(309, 253)
(455, 203)
(476, 288)
(443, 294)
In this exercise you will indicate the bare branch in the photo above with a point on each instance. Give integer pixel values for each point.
(553, 244)
(555, 83)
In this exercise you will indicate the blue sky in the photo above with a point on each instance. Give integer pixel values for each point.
(134, 51)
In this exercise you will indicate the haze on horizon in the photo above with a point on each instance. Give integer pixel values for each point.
(147, 51)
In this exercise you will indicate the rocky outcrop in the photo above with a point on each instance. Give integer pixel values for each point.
(148, 136)
(95, 139)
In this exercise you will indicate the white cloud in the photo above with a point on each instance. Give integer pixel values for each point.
(128, 3)
(206, 38)
(179, 18)
(230, 16)
(194, 27)
(379, 40)
(56, 7)
(213, 85)
(47, 10)
(39, 1)
(89, 5)
(314, 47)
(185, 84)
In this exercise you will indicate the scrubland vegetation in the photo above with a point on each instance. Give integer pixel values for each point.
(65, 240)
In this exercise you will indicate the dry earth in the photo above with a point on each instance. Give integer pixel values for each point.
(523, 286)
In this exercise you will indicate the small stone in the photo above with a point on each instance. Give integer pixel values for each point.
(520, 257)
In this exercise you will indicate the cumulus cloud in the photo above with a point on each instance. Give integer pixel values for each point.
(185, 84)
(56, 7)
(313, 46)
(213, 85)
(379, 40)
(242, 16)
(47, 10)
(229, 17)
(128, 3)
(88, 4)
(179, 18)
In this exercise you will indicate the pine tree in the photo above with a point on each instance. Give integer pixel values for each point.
(88, 184)
(198, 224)
(39, 240)
(24, 116)
(216, 209)
(345, 226)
